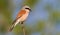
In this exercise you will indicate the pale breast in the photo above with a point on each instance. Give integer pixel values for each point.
(24, 17)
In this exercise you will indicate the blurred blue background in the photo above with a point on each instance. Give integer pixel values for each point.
(43, 20)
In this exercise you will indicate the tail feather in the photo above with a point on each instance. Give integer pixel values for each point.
(13, 25)
(11, 28)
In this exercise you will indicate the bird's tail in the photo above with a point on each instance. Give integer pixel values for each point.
(15, 22)
(11, 28)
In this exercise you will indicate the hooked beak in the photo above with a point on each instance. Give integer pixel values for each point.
(30, 9)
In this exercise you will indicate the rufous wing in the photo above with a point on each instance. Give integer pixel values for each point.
(21, 13)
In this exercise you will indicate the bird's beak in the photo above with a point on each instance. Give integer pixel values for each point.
(30, 9)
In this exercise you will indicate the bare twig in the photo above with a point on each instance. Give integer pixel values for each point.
(23, 28)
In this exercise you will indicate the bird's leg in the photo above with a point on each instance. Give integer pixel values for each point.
(22, 22)
(23, 28)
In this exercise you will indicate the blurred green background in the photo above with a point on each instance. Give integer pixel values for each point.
(43, 20)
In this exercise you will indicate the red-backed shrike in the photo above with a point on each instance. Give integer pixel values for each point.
(21, 16)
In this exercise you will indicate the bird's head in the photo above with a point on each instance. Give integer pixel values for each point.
(27, 8)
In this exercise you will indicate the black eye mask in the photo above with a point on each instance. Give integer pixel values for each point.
(28, 9)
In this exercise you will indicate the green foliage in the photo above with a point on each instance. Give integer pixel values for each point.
(40, 26)
(18, 29)
(7, 15)
(3, 4)
(31, 2)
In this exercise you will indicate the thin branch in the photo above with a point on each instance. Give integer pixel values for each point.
(23, 28)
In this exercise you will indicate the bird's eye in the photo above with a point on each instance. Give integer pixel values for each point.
(28, 9)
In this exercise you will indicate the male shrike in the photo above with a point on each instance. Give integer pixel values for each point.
(21, 16)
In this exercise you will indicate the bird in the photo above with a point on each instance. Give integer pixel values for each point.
(21, 16)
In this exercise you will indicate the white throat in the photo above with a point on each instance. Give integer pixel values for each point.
(27, 10)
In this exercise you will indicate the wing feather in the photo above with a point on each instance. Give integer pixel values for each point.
(22, 12)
